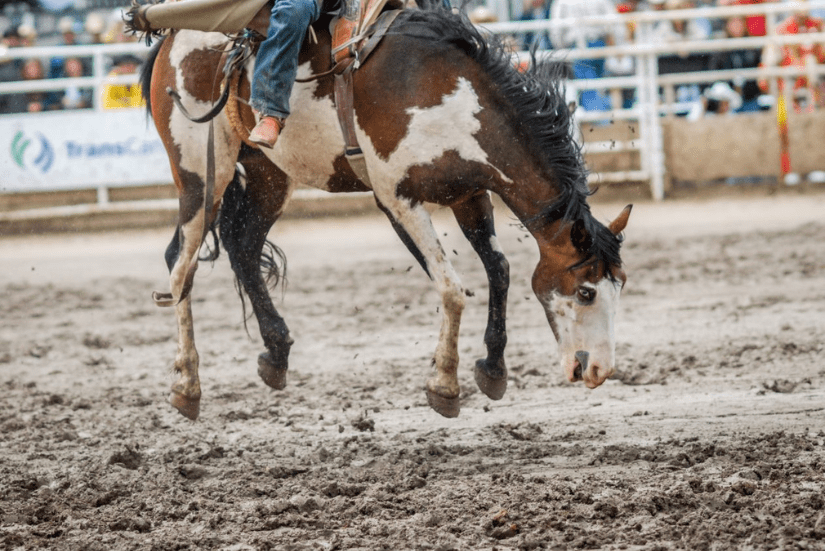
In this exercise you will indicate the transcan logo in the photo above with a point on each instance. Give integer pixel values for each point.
(38, 154)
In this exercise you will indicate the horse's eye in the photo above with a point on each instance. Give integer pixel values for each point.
(586, 295)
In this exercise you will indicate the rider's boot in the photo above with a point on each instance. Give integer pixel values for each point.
(266, 132)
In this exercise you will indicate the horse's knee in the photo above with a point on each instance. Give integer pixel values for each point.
(453, 299)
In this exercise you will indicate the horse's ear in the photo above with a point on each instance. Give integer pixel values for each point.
(579, 237)
(618, 225)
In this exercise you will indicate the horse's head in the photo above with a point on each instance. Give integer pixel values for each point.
(578, 281)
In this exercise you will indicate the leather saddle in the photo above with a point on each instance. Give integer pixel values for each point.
(356, 31)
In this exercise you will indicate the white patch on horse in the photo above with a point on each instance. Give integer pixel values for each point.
(312, 138)
(588, 328)
(432, 132)
(190, 137)
(495, 245)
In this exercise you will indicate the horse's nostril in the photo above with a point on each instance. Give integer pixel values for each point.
(595, 370)
(577, 372)
(582, 356)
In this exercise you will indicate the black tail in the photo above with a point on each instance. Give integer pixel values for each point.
(238, 222)
(146, 74)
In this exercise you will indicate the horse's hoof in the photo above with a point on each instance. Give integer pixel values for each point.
(493, 386)
(448, 407)
(271, 374)
(188, 407)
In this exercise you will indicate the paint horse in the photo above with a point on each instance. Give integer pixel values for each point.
(441, 116)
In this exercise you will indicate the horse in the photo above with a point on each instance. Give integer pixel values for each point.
(442, 116)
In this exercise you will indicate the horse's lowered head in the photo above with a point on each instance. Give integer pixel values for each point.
(578, 281)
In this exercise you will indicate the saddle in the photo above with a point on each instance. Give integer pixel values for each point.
(356, 31)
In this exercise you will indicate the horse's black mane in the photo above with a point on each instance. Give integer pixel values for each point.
(537, 97)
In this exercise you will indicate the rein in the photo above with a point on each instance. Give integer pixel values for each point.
(211, 114)
(243, 47)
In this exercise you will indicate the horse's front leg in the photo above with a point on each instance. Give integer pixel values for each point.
(475, 217)
(442, 389)
(186, 391)
(195, 216)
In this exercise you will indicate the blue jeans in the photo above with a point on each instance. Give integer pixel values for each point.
(276, 65)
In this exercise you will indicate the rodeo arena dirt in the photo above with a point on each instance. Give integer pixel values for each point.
(711, 435)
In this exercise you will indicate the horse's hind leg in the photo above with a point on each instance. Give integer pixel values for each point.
(247, 215)
(475, 217)
(186, 391)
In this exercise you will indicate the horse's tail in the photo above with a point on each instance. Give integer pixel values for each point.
(146, 74)
(232, 221)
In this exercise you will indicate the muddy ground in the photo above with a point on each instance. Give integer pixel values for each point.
(711, 436)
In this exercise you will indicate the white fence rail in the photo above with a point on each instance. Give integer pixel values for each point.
(647, 81)
(130, 153)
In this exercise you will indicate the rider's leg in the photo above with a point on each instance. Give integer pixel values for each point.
(276, 66)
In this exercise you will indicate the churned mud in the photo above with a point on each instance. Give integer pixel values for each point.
(711, 436)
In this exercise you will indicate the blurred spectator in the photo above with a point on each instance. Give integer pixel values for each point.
(68, 35)
(28, 35)
(679, 30)
(756, 24)
(32, 69)
(75, 97)
(749, 58)
(624, 65)
(719, 99)
(588, 36)
(535, 10)
(68, 31)
(630, 6)
(95, 26)
(117, 96)
(675, 32)
(797, 55)
(10, 71)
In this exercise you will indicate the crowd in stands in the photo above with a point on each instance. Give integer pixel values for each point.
(736, 95)
(95, 29)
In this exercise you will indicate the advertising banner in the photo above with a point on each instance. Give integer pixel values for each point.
(80, 150)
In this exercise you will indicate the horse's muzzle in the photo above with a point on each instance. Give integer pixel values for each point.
(591, 373)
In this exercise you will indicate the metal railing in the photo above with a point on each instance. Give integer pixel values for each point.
(647, 81)
(102, 56)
